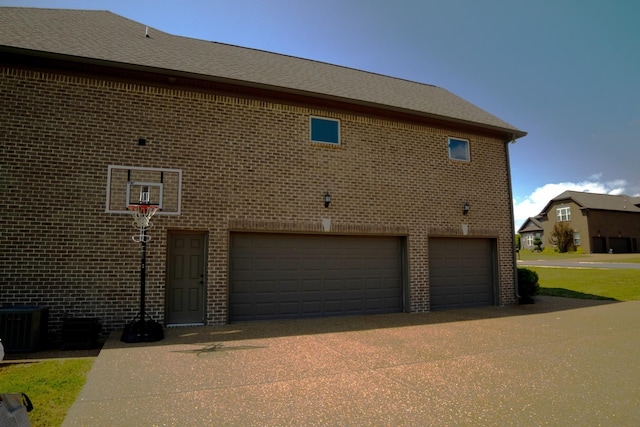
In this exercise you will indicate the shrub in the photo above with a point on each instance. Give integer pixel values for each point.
(562, 237)
(537, 242)
(527, 285)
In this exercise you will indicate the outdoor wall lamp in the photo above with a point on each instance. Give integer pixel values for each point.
(466, 208)
(327, 199)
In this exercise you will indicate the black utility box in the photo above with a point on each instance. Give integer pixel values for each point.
(24, 328)
(80, 333)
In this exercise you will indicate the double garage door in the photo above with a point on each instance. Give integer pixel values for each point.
(461, 272)
(276, 276)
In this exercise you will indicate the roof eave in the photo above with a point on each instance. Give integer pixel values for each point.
(510, 134)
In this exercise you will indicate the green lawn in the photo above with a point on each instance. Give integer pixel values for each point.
(52, 386)
(616, 258)
(617, 284)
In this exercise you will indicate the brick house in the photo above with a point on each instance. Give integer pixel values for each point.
(600, 222)
(245, 145)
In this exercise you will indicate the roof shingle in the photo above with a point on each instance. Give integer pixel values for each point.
(607, 202)
(102, 36)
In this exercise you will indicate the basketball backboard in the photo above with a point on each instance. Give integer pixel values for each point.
(127, 185)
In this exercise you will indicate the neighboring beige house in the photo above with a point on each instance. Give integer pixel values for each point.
(289, 187)
(601, 222)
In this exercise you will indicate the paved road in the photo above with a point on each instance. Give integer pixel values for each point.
(577, 264)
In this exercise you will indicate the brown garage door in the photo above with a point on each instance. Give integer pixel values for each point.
(461, 272)
(275, 276)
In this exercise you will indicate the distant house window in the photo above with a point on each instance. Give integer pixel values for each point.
(529, 240)
(576, 238)
(564, 214)
(324, 130)
(459, 149)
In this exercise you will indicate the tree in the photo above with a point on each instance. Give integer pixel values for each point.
(562, 237)
(537, 242)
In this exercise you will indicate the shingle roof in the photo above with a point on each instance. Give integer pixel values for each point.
(104, 37)
(607, 202)
(530, 225)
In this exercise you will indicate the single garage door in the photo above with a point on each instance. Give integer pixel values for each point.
(276, 276)
(461, 272)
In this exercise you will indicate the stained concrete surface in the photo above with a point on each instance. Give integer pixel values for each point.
(557, 362)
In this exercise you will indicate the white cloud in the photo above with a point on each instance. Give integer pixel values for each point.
(536, 201)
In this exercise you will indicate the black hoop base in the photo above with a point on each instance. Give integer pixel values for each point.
(142, 331)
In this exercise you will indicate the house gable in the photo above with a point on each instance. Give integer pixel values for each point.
(600, 221)
(248, 168)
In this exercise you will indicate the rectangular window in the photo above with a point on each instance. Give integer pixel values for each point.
(459, 149)
(529, 240)
(564, 214)
(326, 131)
(576, 238)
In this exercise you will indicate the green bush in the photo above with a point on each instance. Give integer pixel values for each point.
(527, 284)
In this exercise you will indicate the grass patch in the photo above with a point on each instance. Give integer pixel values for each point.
(52, 386)
(573, 256)
(614, 284)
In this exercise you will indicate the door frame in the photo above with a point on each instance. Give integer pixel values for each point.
(205, 259)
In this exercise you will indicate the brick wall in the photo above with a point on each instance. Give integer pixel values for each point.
(243, 162)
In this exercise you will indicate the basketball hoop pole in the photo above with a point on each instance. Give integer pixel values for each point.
(143, 284)
(142, 330)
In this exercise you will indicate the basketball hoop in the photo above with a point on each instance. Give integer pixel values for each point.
(142, 214)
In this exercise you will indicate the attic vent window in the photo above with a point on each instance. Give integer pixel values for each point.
(459, 149)
(326, 131)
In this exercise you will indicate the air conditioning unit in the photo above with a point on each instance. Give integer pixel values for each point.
(24, 329)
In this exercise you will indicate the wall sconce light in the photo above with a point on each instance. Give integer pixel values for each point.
(327, 199)
(466, 208)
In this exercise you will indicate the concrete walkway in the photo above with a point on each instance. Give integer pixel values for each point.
(559, 362)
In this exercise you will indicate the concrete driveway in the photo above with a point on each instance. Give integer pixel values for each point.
(558, 362)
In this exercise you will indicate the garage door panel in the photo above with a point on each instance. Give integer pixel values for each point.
(312, 285)
(332, 285)
(309, 276)
(247, 287)
(374, 283)
(312, 264)
(354, 284)
(460, 272)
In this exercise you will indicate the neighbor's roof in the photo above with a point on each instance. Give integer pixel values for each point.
(596, 201)
(105, 38)
(530, 225)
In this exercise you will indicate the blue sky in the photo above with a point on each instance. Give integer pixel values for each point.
(565, 71)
